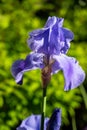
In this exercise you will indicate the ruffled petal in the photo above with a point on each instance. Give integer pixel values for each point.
(33, 123)
(73, 73)
(68, 34)
(65, 37)
(59, 39)
(38, 41)
(52, 20)
(32, 61)
(52, 39)
(37, 32)
(55, 120)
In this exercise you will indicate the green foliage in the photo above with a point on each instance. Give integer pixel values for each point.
(17, 18)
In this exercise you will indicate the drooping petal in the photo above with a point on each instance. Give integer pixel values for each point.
(32, 61)
(33, 123)
(16, 68)
(73, 73)
(55, 120)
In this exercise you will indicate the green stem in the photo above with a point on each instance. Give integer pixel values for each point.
(43, 108)
(84, 94)
(74, 123)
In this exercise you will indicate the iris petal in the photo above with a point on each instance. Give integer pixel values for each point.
(33, 123)
(52, 20)
(65, 37)
(59, 40)
(55, 120)
(21, 128)
(36, 122)
(73, 73)
(38, 41)
(32, 61)
(52, 39)
(68, 34)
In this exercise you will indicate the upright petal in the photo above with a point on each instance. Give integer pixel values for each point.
(32, 123)
(73, 73)
(32, 61)
(38, 40)
(59, 39)
(55, 120)
(52, 39)
(65, 37)
(52, 20)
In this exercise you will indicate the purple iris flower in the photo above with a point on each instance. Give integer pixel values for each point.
(50, 45)
(33, 122)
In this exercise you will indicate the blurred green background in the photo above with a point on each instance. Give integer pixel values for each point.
(17, 19)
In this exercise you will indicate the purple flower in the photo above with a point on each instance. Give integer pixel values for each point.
(33, 122)
(50, 45)
(52, 39)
